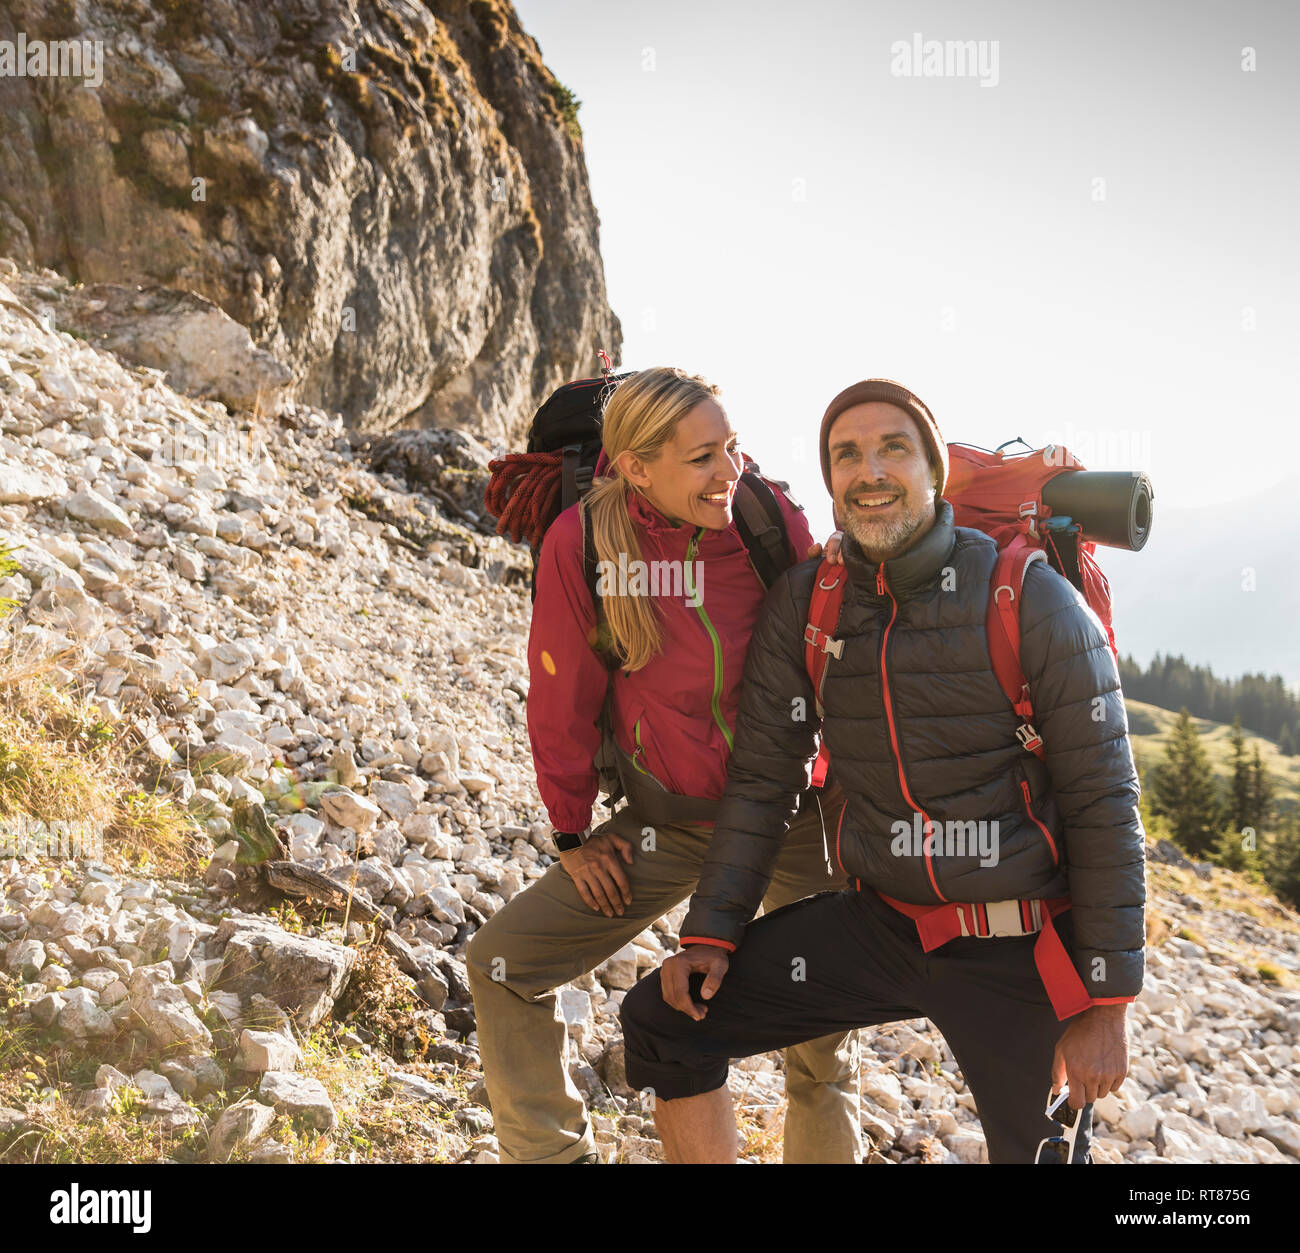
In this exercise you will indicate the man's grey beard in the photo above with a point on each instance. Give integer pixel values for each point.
(884, 542)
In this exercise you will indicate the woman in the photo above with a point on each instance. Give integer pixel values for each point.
(665, 508)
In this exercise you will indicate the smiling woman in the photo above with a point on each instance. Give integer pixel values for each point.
(669, 441)
(659, 718)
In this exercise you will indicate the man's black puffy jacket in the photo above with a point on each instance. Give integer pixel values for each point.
(945, 737)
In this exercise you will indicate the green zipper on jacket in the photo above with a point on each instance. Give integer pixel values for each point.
(717, 649)
(636, 757)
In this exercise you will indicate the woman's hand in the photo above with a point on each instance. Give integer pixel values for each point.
(833, 545)
(597, 874)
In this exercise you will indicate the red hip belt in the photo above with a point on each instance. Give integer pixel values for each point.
(937, 924)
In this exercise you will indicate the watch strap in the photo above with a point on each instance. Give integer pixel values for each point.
(567, 841)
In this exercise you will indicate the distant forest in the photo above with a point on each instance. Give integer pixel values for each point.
(1264, 704)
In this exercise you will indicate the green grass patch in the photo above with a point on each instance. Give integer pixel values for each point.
(1149, 728)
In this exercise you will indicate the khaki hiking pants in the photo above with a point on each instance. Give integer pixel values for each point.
(546, 936)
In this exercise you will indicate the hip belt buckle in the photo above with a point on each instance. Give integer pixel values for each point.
(1001, 918)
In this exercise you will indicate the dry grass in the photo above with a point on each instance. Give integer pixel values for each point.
(761, 1132)
(42, 1076)
(1159, 926)
(1231, 894)
(760, 1128)
(61, 762)
(379, 1000)
(373, 1125)
(49, 743)
(1225, 890)
(59, 1133)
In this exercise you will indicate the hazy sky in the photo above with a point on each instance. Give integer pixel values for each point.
(783, 213)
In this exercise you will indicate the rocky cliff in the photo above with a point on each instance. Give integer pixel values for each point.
(390, 195)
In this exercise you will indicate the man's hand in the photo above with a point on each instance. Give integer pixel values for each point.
(833, 544)
(675, 974)
(1092, 1055)
(597, 874)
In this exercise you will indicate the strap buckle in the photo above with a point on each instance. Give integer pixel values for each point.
(996, 919)
(1029, 739)
(828, 644)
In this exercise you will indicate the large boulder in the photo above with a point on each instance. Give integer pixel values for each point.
(304, 976)
(203, 351)
(159, 1006)
(19, 485)
(301, 1097)
(260, 1051)
(391, 198)
(241, 1127)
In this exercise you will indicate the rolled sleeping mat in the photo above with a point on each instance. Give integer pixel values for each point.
(1111, 507)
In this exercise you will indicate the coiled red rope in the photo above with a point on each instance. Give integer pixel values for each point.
(523, 494)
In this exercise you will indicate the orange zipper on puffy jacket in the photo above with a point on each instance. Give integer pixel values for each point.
(882, 588)
(1047, 835)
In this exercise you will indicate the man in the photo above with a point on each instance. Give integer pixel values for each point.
(921, 737)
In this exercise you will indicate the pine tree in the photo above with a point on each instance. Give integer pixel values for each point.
(1262, 790)
(1239, 851)
(1239, 792)
(1282, 862)
(1286, 741)
(1183, 791)
(1265, 702)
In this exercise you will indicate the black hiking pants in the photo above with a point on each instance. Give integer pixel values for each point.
(841, 960)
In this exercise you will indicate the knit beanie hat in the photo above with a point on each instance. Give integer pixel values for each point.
(894, 394)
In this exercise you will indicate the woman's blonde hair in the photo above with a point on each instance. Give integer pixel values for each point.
(641, 416)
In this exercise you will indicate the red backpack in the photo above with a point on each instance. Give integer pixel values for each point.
(1003, 497)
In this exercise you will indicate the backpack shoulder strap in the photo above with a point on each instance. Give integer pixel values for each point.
(762, 526)
(820, 644)
(589, 556)
(607, 754)
(1002, 626)
(570, 489)
(591, 573)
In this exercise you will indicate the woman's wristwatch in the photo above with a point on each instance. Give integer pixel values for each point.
(567, 841)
